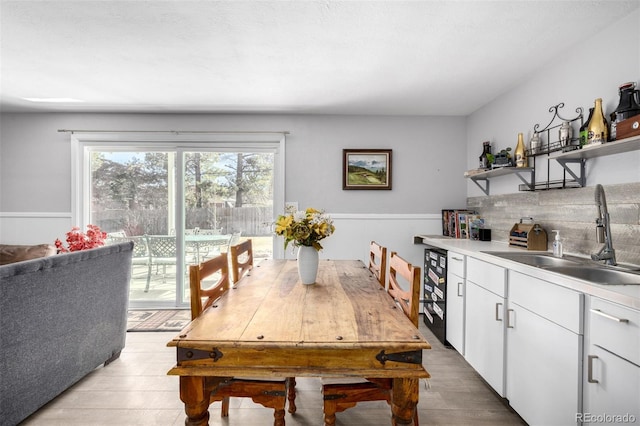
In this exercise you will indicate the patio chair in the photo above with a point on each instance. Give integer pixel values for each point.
(162, 252)
(342, 393)
(116, 234)
(217, 231)
(235, 239)
(211, 245)
(268, 393)
(140, 251)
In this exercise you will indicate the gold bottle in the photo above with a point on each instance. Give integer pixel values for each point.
(520, 154)
(597, 129)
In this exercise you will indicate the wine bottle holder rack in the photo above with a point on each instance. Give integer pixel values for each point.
(551, 134)
(548, 148)
(552, 144)
(552, 184)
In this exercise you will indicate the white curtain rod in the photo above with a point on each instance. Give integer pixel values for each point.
(177, 132)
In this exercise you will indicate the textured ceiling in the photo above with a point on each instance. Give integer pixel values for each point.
(326, 57)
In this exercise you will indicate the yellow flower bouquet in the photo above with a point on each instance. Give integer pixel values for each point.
(305, 228)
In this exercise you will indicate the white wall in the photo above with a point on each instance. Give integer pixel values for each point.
(428, 162)
(430, 154)
(590, 70)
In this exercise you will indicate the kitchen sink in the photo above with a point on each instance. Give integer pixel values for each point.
(576, 267)
(540, 260)
(598, 274)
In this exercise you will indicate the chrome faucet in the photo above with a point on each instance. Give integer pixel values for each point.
(603, 230)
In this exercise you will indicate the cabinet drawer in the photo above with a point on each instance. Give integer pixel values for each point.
(615, 328)
(487, 275)
(456, 263)
(557, 304)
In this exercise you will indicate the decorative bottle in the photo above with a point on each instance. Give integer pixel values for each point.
(484, 158)
(598, 127)
(535, 144)
(520, 154)
(565, 133)
(584, 129)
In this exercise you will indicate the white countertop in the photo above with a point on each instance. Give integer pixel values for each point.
(627, 295)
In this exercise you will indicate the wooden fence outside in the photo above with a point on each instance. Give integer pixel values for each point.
(251, 221)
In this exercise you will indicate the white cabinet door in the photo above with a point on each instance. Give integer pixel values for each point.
(612, 358)
(455, 312)
(543, 369)
(612, 390)
(484, 335)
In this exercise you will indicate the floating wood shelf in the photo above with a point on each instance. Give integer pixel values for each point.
(568, 160)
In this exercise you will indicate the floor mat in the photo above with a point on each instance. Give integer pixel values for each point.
(163, 320)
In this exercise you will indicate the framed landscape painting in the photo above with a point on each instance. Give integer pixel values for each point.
(366, 169)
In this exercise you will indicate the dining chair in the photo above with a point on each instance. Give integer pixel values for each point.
(378, 262)
(214, 274)
(241, 260)
(342, 393)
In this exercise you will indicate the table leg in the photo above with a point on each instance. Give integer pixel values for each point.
(194, 394)
(404, 400)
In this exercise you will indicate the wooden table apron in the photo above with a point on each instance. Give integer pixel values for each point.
(273, 326)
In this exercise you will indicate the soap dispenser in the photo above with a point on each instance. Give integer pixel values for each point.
(557, 244)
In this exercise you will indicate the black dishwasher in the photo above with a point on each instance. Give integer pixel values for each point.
(435, 290)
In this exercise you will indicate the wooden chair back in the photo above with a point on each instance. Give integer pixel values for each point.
(409, 299)
(378, 262)
(198, 273)
(241, 260)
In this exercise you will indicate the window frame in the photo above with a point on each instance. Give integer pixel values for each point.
(83, 143)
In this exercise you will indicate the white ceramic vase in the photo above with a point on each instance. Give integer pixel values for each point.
(307, 264)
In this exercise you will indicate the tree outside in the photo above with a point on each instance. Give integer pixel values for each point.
(227, 191)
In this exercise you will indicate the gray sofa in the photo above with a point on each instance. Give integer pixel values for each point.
(60, 317)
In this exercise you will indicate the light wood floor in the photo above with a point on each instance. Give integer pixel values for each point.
(135, 390)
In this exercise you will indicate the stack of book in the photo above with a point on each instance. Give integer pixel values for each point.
(461, 223)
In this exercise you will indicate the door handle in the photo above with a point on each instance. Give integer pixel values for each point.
(459, 286)
(590, 378)
(498, 306)
(509, 325)
(611, 317)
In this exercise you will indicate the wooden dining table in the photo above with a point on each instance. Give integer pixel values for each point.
(273, 326)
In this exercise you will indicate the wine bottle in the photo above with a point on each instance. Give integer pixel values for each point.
(521, 156)
(484, 157)
(584, 129)
(598, 127)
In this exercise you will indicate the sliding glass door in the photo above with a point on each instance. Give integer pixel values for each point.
(180, 206)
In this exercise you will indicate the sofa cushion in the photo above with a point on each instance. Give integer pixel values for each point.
(17, 253)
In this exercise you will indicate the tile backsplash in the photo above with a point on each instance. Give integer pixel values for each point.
(573, 212)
